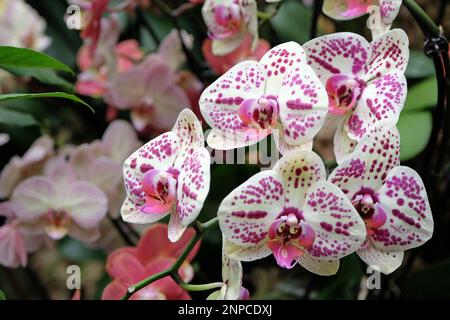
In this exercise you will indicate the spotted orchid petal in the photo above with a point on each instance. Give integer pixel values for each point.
(389, 10)
(318, 266)
(160, 153)
(343, 145)
(338, 53)
(247, 213)
(380, 260)
(220, 103)
(405, 200)
(390, 52)
(193, 185)
(300, 170)
(280, 61)
(382, 99)
(244, 253)
(231, 276)
(339, 230)
(190, 134)
(346, 9)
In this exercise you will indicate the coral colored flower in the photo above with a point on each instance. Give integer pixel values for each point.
(31, 163)
(391, 199)
(221, 64)
(229, 22)
(100, 162)
(60, 204)
(252, 99)
(387, 10)
(168, 175)
(294, 214)
(365, 81)
(232, 288)
(153, 254)
(109, 59)
(92, 23)
(26, 31)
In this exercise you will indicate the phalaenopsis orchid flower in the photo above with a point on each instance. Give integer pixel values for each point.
(221, 64)
(251, 100)
(229, 22)
(391, 199)
(365, 81)
(383, 10)
(94, 10)
(153, 254)
(168, 175)
(31, 163)
(294, 214)
(58, 204)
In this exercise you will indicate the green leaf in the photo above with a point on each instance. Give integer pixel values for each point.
(43, 75)
(419, 66)
(415, 130)
(13, 96)
(292, 22)
(422, 95)
(14, 118)
(11, 57)
(2, 295)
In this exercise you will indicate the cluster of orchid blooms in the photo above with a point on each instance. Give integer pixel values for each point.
(295, 211)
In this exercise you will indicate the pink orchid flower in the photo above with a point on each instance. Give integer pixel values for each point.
(59, 204)
(31, 163)
(100, 162)
(365, 81)
(153, 254)
(92, 27)
(168, 175)
(151, 92)
(391, 199)
(15, 241)
(221, 64)
(294, 214)
(232, 288)
(109, 59)
(27, 31)
(229, 22)
(253, 99)
(350, 9)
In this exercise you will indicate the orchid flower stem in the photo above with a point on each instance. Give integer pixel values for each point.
(429, 28)
(315, 18)
(266, 16)
(201, 287)
(201, 229)
(125, 236)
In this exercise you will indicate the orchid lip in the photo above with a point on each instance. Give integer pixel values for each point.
(344, 93)
(371, 211)
(259, 113)
(57, 224)
(160, 185)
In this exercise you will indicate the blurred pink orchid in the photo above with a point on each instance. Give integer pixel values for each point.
(31, 163)
(365, 82)
(58, 204)
(279, 94)
(100, 162)
(26, 31)
(292, 213)
(109, 59)
(386, 10)
(15, 240)
(221, 64)
(153, 254)
(391, 199)
(168, 175)
(92, 22)
(229, 22)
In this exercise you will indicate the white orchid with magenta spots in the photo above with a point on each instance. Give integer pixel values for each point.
(168, 175)
(391, 199)
(229, 22)
(293, 213)
(253, 99)
(365, 81)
